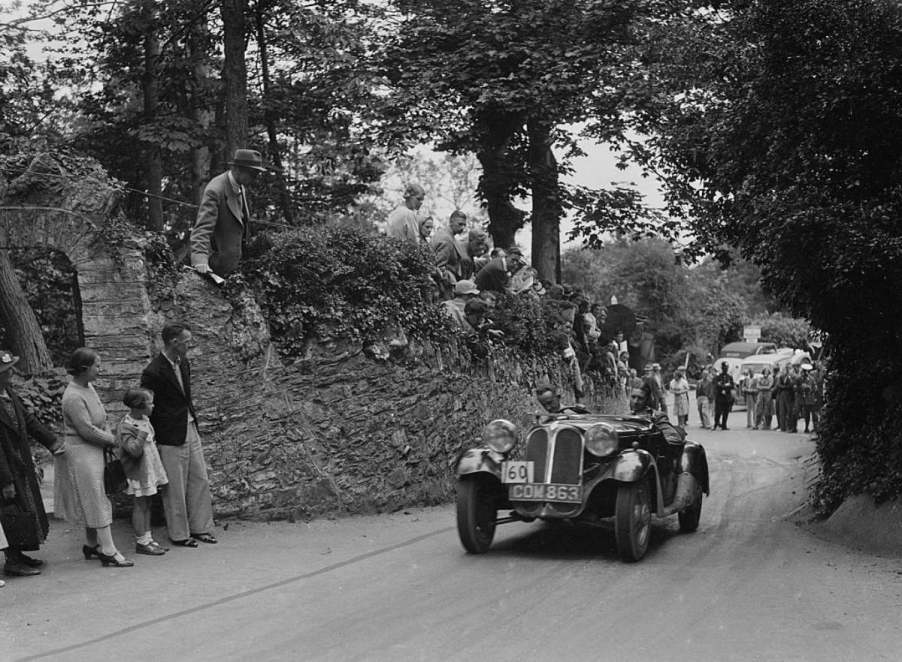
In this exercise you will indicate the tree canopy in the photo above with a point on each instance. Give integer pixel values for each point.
(776, 127)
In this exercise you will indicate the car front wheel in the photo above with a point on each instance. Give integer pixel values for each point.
(690, 516)
(476, 515)
(632, 520)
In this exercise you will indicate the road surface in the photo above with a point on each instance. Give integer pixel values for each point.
(750, 584)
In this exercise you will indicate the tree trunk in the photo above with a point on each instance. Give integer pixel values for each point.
(234, 75)
(201, 110)
(499, 180)
(22, 326)
(269, 117)
(546, 202)
(153, 155)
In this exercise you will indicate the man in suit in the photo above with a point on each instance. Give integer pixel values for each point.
(186, 500)
(222, 220)
(724, 385)
(495, 276)
(448, 254)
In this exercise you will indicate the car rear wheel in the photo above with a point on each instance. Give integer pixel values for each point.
(690, 516)
(476, 515)
(632, 520)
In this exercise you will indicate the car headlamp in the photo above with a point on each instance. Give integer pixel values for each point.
(601, 440)
(500, 435)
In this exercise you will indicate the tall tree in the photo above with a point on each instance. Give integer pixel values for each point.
(776, 126)
(21, 324)
(503, 79)
(150, 84)
(269, 116)
(234, 74)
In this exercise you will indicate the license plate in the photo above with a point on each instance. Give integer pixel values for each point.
(546, 492)
(517, 471)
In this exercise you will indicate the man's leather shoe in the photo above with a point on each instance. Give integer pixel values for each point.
(17, 569)
(151, 549)
(29, 561)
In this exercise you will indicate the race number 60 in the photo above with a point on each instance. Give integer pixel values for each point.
(517, 472)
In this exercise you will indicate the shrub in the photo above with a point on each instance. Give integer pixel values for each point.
(341, 282)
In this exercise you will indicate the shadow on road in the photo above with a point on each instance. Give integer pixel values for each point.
(552, 540)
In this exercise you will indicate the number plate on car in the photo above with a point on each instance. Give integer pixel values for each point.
(546, 492)
(517, 472)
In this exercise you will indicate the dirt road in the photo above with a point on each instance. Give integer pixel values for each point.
(749, 585)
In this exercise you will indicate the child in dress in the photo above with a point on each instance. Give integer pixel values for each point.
(143, 467)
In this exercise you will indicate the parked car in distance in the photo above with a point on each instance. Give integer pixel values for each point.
(785, 356)
(757, 363)
(580, 468)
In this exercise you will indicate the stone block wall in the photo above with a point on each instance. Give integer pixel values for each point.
(338, 432)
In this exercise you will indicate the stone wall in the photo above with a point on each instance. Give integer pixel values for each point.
(340, 431)
(68, 204)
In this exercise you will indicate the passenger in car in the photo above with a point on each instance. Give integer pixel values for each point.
(549, 397)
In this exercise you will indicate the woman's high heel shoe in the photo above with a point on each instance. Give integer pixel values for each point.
(116, 560)
(89, 551)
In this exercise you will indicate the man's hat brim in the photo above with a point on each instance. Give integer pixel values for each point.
(249, 165)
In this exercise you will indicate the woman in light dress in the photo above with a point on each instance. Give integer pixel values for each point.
(86, 437)
(679, 386)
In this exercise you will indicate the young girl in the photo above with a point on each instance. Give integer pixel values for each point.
(143, 468)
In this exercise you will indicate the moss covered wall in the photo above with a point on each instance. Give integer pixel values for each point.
(340, 431)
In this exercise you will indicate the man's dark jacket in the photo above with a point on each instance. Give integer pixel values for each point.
(170, 404)
(724, 385)
(493, 276)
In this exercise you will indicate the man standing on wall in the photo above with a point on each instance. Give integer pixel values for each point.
(447, 253)
(221, 227)
(186, 500)
(403, 222)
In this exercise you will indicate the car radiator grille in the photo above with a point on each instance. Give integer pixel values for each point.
(557, 459)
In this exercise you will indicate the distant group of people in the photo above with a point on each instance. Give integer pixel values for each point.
(157, 443)
(792, 393)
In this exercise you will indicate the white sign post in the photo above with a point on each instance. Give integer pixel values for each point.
(751, 333)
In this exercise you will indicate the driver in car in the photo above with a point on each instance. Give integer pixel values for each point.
(550, 398)
(640, 405)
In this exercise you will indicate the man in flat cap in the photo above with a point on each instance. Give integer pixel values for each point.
(223, 216)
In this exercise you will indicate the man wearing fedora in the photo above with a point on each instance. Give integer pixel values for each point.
(223, 217)
(21, 507)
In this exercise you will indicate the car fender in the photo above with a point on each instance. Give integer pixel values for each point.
(480, 460)
(695, 461)
(633, 465)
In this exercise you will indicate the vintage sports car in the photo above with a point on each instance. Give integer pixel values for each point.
(581, 467)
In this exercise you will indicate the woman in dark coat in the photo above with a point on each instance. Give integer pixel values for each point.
(20, 493)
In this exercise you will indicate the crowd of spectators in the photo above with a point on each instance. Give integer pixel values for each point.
(156, 447)
(471, 276)
(792, 393)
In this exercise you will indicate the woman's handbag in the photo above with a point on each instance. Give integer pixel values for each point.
(113, 473)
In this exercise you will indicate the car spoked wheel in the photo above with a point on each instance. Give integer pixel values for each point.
(632, 521)
(476, 515)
